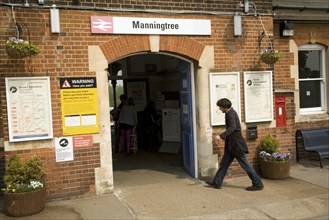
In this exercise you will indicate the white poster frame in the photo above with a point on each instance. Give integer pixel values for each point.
(217, 117)
(39, 86)
(262, 107)
(141, 100)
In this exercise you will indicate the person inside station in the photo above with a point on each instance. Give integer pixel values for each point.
(127, 122)
(115, 115)
(151, 120)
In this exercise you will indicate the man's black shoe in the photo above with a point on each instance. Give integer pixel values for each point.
(254, 188)
(212, 184)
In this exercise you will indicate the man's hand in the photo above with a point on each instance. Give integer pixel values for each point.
(217, 138)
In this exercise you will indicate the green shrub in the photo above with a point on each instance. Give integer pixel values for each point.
(269, 144)
(24, 176)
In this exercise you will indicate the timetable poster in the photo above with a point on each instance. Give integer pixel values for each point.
(29, 108)
(258, 96)
(224, 85)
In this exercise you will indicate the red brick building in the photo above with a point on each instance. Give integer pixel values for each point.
(191, 65)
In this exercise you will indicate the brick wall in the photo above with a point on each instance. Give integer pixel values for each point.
(263, 6)
(65, 55)
(284, 81)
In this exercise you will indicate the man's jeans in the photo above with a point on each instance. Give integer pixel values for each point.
(226, 162)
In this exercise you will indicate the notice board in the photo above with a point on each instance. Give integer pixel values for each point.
(79, 103)
(258, 96)
(137, 90)
(29, 108)
(223, 85)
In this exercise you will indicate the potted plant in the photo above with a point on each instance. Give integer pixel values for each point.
(270, 55)
(19, 48)
(25, 190)
(273, 163)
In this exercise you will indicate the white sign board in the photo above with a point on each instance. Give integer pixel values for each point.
(258, 96)
(224, 85)
(64, 149)
(138, 91)
(160, 26)
(171, 125)
(29, 108)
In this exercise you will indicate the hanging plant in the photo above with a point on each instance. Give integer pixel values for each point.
(19, 48)
(270, 55)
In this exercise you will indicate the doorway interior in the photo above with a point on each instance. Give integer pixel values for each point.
(168, 81)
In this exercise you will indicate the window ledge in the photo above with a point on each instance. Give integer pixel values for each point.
(312, 116)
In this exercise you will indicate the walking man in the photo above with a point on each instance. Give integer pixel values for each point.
(235, 147)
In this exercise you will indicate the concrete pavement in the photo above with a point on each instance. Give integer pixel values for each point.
(160, 193)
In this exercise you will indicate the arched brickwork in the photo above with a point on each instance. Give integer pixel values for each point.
(181, 45)
(123, 46)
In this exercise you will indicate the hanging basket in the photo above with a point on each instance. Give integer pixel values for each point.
(270, 57)
(18, 48)
(17, 53)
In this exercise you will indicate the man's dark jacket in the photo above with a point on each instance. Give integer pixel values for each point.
(234, 141)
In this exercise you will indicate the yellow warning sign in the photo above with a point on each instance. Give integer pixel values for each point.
(79, 105)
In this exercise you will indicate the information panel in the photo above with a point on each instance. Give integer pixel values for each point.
(138, 91)
(29, 108)
(258, 96)
(79, 105)
(224, 85)
(171, 125)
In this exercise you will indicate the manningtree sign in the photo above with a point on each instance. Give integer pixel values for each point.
(160, 26)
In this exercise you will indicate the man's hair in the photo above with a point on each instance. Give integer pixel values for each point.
(123, 96)
(224, 103)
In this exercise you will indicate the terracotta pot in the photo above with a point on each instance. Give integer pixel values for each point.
(24, 204)
(274, 169)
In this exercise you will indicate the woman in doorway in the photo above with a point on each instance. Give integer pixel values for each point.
(127, 122)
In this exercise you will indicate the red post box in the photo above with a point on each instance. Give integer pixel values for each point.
(280, 109)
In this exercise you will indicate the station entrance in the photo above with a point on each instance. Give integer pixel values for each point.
(167, 81)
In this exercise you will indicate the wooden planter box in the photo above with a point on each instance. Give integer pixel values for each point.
(24, 204)
(274, 169)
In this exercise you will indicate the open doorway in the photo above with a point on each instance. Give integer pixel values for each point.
(168, 82)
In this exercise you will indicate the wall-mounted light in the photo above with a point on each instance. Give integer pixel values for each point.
(54, 20)
(286, 29)
(237, 25)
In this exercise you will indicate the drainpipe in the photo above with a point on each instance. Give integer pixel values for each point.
(299, 7)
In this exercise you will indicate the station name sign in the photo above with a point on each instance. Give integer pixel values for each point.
(159, 26)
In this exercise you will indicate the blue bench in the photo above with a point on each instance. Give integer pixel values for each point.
(314, 140)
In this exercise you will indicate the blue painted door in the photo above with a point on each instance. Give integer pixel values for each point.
(186, 112)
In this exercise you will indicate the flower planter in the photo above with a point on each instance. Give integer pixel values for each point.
(24, 204)
(274, 169)
(17, 53)
(269, 58)
(18, 48)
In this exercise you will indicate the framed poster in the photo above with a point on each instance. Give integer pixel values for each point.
(29, 108)
(258, 96)
(79, 104)
(138, 90)
(224, 85)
